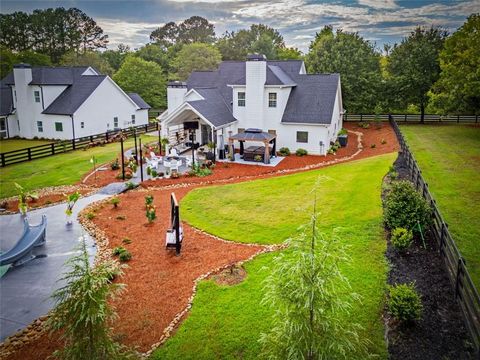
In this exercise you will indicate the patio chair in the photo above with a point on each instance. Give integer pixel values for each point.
(174, 152)
(154, 157)
(174, 165)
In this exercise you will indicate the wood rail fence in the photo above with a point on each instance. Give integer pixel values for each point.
(415, 118)
(465, 291)
(63, 146)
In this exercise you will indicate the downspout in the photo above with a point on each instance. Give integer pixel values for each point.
(41, 92)
(6, 122)
(73, 133)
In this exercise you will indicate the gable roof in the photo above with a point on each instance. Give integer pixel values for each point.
(311, 99)
(75, 95)
(137, 99)
(79, 88)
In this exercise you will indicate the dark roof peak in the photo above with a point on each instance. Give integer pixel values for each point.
(22, 66)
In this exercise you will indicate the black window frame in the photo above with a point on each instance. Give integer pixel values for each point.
(272, 103)
(301, 141)
(40, 126)
(241, 101)
(58, 125)
(37, 99)
(115, 119)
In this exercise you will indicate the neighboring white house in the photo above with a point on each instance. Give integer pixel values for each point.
(65, 103)
(303, 110)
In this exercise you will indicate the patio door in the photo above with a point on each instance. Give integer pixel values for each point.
(206, 134)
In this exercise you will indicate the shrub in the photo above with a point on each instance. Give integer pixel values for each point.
(154, 173)
(126, 241)
(199, 171)
(130, 185)
(383, 141)
(284, 151)
(373, 146)
(301, 152)
(404, 207)
(151, 213)
(115, 165)
(392, 174)
(90, 216)
(149, 170)
(404, 303)
(148, 200)
(343, 132)
(118, 250)
(115, 201)
(401, 239)
(125, 256)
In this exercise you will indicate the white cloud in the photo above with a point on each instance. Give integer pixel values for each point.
(133, 34)
(379, 4)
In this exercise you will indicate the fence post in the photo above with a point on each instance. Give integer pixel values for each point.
(146, 128)
(91, 138)
(425, 185)
(3, 160)
(106, 136)
(405, 119)
(29, 151)
(458, 119)
(442, 238)
(460, 265)
(53, 148)
(73, 144)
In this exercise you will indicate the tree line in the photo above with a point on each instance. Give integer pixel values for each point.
(428, 71)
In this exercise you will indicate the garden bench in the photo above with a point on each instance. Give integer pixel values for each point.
(21, 253)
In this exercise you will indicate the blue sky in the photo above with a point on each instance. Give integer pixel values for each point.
(381, 21)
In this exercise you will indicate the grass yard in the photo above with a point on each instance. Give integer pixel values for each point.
(17, 144)
(226, 321)
(449, 157)
(63, 169)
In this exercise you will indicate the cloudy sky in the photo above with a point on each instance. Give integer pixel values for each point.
(381, 21)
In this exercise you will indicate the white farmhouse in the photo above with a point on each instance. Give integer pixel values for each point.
(65, 103)
(278, 97)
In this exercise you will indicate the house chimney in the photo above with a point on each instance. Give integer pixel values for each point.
(255, 77)
(175, 92)
(22, 75)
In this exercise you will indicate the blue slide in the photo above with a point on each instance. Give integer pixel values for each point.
(33, 236)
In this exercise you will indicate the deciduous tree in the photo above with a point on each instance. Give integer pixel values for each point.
(414, 66)
(357, 62)
(458, 88)
(191, 30)
(145, 78)
(88, 58)
(196, 56)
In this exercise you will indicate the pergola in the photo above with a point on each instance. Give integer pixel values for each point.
(256, 135)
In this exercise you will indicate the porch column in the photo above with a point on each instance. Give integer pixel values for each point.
(230, 146)
(266, 156)
(274, 147)
(241, 148)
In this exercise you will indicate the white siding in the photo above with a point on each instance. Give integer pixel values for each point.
(287, 136)
(50, 93)
(99, 110)
(256, 73)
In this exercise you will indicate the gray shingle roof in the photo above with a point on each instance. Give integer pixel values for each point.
(139, 101)
(73, 96)
(311, 100)
(213, 108)
(52, 75)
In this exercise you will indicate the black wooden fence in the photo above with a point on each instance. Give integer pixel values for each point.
(415, 118)
(465, 291)
(59, 147)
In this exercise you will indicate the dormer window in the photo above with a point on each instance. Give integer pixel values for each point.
(241, 99)
(272, 100)
(36, 95)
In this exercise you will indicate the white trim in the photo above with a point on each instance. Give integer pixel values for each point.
(90, 68)
(306, 124)
(192, 91)
(187, 106)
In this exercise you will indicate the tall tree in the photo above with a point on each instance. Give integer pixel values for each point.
(8, 59)
(259, 38)
(89, 58)
(196, 56)
(357, 62)
(193, 29)
(309, 297)
(414, 66)
(145, 78)
(458, 88)
(289, 53)
(115, 57)
(52, 32)
(157, 54)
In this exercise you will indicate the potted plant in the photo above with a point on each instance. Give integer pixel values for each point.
(23, 198)
(257, 158)
(133, 166)
(71, 200)
(343, 137)
(164, 142)
(210, 155)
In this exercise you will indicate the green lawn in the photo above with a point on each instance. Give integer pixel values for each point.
(63, 169)
(226, 321)
(449, 157)
(17, 144)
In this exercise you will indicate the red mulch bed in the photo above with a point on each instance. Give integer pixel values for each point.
(229, 170)
(159, 283)
(12, 205)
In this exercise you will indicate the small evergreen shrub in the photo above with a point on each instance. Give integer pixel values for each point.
(401, 238)
(404, 303)
(154, 173)
(118, 250)
(343, 132)
(301, 152)
(130, 185)
(149, 170)
(90, 216)
(404, 207)
(148, 200)
(373, 146)
(151, 213)
(125, 256)
(284, 151)
(115, 165)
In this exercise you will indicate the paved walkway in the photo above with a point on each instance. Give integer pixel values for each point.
(25, 290)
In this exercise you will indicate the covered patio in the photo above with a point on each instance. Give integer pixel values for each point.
(254, 153)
